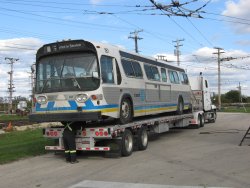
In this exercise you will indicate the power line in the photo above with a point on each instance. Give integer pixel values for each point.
(63, 20)
(77, 4)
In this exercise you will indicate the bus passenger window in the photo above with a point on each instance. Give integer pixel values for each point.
(132, 69)
(155, 73)
(149, 72)
(152, 72)
(137, 69)
(164, 75)
(184, 78)
(107, 69)
(128, 69)
(171, 76)
(176, 77)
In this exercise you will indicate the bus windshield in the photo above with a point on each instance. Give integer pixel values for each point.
(68, 72)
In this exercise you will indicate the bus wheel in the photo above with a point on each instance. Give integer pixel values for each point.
(142, 139)
(125, 111)
(127, 143)
(180, 106)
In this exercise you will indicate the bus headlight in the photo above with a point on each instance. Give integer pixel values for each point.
(41, 100)
(81, 97)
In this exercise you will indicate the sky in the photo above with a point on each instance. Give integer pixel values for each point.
(26, 25)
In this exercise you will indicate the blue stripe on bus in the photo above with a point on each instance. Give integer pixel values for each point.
(154, 106)
(73, 106)
(90, 106)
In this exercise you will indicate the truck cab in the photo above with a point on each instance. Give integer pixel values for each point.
(202, 97)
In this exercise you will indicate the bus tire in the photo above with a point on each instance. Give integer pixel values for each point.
(127, 144)
(126, 111)
(142, 138)
(180, 107)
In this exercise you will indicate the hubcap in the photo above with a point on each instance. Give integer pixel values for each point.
(144, 138)
(128, 143)
(125, 110)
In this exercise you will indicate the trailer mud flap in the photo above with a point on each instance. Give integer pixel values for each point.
(115, 148)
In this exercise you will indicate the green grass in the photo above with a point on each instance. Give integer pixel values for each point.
(20, 144)
(236, 109)
(12, 117)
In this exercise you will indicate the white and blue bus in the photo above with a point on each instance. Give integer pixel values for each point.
(80, 81)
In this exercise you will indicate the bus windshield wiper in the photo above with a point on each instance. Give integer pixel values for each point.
(46, 81)
(74, 79)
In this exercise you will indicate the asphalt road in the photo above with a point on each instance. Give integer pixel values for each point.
(206, 157)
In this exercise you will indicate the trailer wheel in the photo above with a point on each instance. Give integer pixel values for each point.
(126, 111)
(142, 139)
(127, 143)
(201, 121)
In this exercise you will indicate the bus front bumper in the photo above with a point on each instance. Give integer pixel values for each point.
(59, 117)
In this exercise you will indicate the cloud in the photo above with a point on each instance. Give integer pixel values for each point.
(243, 42)
(94, 2)
(23, 49)
(238, 9)
(203, 60)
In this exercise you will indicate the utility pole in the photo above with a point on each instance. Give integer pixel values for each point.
(219, 52)
(11, 85)
(136, 38)
(32, 79)
(177, 51)
(239, 87)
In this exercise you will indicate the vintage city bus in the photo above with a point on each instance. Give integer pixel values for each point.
(80, 81)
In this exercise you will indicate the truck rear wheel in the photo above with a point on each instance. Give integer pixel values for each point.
(214, 117)
(142, 139)
(127, 144)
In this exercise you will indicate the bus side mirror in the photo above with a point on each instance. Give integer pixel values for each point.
(95, 75)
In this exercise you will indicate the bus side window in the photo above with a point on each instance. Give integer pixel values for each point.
(176, 77)
(149, 72)
(184, 78)
(171, 76)
(164, 75)
(107, 69)
(155, 73)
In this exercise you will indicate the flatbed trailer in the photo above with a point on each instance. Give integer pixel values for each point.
(93, 137)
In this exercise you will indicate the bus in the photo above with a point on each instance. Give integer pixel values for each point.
(82, 81)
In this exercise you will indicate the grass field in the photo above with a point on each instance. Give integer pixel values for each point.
(236, 109)
(12, 117)
(20, 144)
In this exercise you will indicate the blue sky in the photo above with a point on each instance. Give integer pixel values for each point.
(28, 24)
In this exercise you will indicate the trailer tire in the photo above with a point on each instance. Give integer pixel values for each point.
(201, 121)
(142, 138)
(126, 111)
(127, 144)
